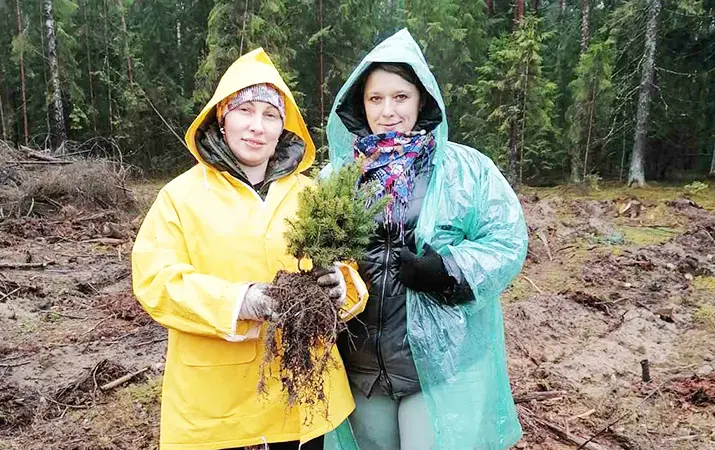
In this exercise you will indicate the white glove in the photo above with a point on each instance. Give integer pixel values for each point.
(332, 280)
(257, 305)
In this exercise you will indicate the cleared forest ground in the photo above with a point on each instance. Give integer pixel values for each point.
(613, 277)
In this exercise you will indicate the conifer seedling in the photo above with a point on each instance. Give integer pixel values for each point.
(333, 223)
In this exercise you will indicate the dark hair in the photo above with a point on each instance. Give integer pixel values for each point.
(351, 108)
(404, 70)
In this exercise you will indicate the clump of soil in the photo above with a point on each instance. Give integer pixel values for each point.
(333, 223)
(302, 337)
(694, 390)
(84, 391)
(124, 306)
(17, 406)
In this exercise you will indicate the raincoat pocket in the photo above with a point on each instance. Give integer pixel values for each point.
(200, 351)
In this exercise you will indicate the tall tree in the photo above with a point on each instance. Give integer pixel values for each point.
(321, 78)
(513, 125)
(712, 164)
(127, 51)
(90, 82)
(590, 114)
(2, 114)
(585, 35)
(21, 60)
(577, 149)
(514, 104)
(636, 174)
(519, 11)
(58, 115)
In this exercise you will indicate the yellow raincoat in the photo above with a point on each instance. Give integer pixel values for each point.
(206, 237)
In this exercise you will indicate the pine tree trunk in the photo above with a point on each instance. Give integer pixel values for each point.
(92, 114)
(2, 114)
(127, 52)
(48, 112)
(562, 6)
(576, 169)
(712, 164)
(22, 78)
(578, 153)
(511, 174)
(407, 6)
(243, 27)
(107, 72)
(320, 75)
(522, 113)
(182, 78)
(589, 129)
(519, 11)
(585, 35)
(490, 7)
(535, 6)
(636, 174)
(58, 116)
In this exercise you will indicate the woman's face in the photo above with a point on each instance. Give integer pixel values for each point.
(252, 131)
(391, 102)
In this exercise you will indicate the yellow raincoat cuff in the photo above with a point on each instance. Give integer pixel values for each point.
(242, 330)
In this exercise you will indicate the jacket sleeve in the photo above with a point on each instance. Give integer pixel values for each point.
(173, 292)
(496, 238)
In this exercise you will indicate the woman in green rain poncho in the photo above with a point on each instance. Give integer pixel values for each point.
(426, 360)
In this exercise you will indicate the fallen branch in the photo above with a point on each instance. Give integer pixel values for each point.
(578, 440)
(582, 415)
(538, 396)
(42, 156)
(22, 363)
(40, 163)
(533, 284)
(106, 241)
(98, 324)
(12, 265)
(542, 236)
(122, 380)
(6, 296)
(153, 341)
(66, 316)
(525, 351)
(623, 416)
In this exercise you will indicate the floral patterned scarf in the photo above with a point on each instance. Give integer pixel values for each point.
(389, 160)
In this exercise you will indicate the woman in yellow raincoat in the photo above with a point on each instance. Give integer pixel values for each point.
(209, 246)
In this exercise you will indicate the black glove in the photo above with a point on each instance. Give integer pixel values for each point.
(424, 273)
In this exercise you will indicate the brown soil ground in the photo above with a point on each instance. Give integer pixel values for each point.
(606, 285)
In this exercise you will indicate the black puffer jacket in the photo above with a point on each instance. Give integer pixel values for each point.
(376, 347)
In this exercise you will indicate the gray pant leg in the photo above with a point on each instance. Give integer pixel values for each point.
(374, 422)
(416, 431)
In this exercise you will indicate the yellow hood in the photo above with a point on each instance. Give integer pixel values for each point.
(254, 68)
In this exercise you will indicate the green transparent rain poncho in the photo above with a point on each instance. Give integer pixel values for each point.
(470, 212)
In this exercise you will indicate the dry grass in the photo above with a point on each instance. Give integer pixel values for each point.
(128, 421)
(90, 185)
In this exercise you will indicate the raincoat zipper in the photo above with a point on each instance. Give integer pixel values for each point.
(380, 361)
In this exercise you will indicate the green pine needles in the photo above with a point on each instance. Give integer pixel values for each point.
(333, 222)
